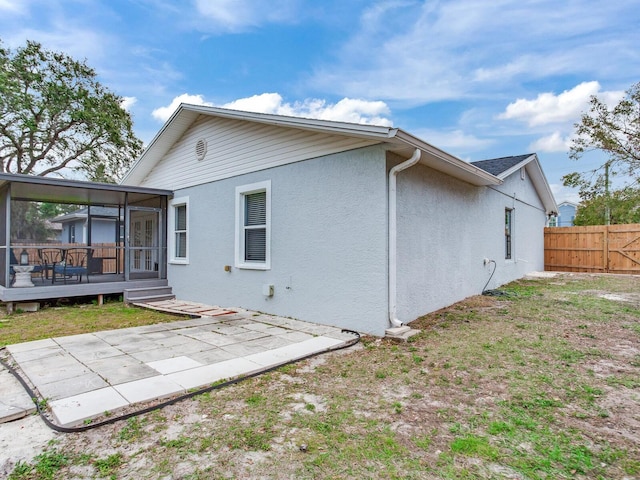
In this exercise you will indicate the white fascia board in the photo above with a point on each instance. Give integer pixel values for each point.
(450, 164)
(316, 125)
(534, 169)
(517, 167)
(170, 132)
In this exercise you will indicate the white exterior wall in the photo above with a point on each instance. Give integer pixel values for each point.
(446, 228)
(328, 243)
(103, 231)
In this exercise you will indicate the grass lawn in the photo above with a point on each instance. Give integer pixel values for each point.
(72, 320)
(541, 384)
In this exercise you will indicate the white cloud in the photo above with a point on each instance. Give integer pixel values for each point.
(551, 143)
(128, 102)
(263, 103)
(346, 110)
(418, 52)
(564, 194)
(454, 140)
(549, 108)
(79, 43)
(163, 113)
(14, 6)
(238, 15)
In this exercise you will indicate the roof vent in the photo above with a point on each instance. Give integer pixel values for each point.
(201, 149)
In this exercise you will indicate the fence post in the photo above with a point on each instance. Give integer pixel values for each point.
(606, 248)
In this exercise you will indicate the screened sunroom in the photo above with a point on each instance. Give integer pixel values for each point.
(63, 238)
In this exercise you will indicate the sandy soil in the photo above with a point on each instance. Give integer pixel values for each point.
(24, 439)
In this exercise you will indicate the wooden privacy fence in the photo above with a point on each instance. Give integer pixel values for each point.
(599, 248)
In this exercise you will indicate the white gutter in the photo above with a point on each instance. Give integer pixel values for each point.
(393, 300)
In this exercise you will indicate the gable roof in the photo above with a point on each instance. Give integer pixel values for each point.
(482, 173)
(394, 139)
(502, 165)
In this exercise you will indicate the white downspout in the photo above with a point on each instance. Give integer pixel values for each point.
(393, 220)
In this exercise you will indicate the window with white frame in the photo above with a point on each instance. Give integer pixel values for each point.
(253, 226)
(179, 224)
(508, 230)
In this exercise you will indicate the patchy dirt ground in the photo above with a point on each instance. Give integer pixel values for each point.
(542, 382)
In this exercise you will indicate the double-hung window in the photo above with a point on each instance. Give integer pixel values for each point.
(508, 230)
(179, 224)
(253, 226)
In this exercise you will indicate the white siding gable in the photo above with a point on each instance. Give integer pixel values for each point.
(237, 147)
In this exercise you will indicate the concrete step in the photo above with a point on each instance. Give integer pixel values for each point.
(150, 298)
(148, 294)
(402, 334)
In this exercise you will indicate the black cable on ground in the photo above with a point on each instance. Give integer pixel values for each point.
(166, 403)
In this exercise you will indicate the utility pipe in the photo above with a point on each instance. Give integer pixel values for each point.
(393, 220)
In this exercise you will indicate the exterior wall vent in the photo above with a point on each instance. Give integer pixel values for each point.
(201, 149)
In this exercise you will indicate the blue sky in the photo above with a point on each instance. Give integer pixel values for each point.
(478, 79)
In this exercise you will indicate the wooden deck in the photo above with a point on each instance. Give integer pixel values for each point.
(97, 285)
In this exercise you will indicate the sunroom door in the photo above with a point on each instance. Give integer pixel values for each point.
(144, 245)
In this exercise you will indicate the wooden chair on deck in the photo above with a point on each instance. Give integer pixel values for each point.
(49, 258)
(74, 264)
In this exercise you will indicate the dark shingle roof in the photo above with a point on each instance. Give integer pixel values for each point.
(96, 211)
(496, 166)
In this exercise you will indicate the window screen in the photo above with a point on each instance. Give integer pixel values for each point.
(508, 225)
(255, 227)
(180, 229)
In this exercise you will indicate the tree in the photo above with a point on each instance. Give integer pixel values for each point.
(616, 132)
(623, 206)
(56, 116)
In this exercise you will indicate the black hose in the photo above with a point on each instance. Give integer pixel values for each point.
(495, 266)
(493, 293)
(166, 403)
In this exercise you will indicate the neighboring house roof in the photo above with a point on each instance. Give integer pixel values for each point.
(51, 225)
(393, 139)
(81, 214)
(569, 204)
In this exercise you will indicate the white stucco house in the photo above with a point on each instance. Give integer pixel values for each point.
(104, 225)
(566, 214)
(364, 227)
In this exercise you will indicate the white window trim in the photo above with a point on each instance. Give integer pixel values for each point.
(177, 202)
(241, 191)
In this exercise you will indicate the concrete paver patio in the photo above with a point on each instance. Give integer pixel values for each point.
(84, 376)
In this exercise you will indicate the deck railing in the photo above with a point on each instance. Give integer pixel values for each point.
(102, 258)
